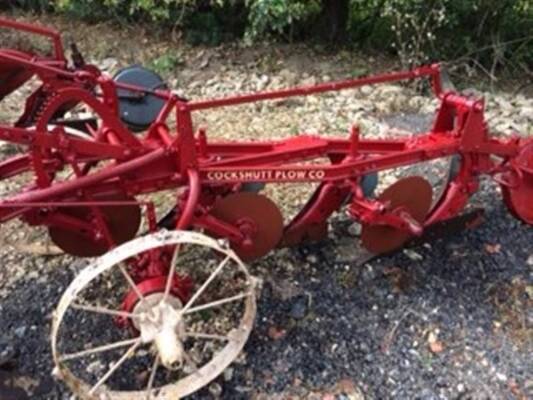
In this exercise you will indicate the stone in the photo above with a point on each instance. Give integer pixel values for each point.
(95, 367)
(228, 374)
(215, 390)
(20, 331)
(108, 64)
(7, 352)
(300, 307)
(413, 255)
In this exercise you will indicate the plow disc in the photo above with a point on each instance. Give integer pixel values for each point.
(518, 193)
(122, 223)
(414, 195)
(257, 216)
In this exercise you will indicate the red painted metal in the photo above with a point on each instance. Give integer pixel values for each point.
(181, 289)
(52, 34)
(116, 162)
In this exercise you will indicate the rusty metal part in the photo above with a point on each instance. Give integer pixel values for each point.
(450, 227)
(441, 229)
(414, 195)
(313, 232)
(259, 219)
(517, 190)
(122, 223)
(310, 224)
(161, 324)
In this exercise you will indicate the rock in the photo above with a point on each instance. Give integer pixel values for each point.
(14, 386)
(108, 64)
(142, 377)
(204, 63)
(368, 273)
(262, 82)
(288, 76)
(501, 377)
(348, 250)
(300, 307)
(363, 347)
(7, 352)
(215, 390)
(20, 331)
(284, 289)
(312, 259)
(310, 81)
(355, 229)
(427, 394)
(530, 260)
(369, 358)
(527, 112)
(413, 255)
(366, 90)
(228, 374)
(95, 367)
(348, 390)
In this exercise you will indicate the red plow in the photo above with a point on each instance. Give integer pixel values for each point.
(92, 152)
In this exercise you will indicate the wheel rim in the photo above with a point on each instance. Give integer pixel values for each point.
(153, 336)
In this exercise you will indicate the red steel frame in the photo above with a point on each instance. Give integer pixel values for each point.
(161, 159)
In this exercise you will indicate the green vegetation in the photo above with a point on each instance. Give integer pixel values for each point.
(486, 34)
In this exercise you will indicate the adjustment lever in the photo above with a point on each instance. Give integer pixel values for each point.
(77, 57)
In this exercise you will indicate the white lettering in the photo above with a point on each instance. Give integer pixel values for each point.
(317, 174)
(265, 175)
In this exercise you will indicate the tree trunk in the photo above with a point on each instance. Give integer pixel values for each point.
(335, 14)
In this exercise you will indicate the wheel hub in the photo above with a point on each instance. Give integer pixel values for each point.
(153, 290)
(161, 322)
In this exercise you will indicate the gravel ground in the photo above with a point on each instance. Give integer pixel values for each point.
(446, 320)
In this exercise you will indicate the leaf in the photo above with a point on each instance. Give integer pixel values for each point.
(275, 333)
(38, 249)
(493, 248)
(400, 280)
(435, 345)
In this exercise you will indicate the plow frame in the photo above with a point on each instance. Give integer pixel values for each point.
(161, 159)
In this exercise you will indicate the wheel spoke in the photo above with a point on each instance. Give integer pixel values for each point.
(217, 303)
(190, 361)
(116, 366)
(128, 278)
(151, 379)
(103, 310)
(99, 349)
(171, 271)
(209, 336)
(206, 283)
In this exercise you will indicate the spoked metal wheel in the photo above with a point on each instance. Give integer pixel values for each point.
(166, 344)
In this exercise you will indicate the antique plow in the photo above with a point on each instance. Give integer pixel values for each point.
(89, 153)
